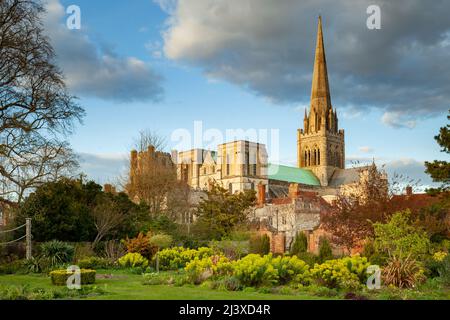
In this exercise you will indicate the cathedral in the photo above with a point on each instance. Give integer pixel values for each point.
(243, 165)
(289, 199)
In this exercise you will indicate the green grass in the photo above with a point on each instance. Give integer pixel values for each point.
(126, 286)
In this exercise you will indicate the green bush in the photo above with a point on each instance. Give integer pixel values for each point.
(59, 277)
(310, 258)
(291, 269)
(260, 244)
(37, 264)
(325, 251)
(444, 270)
(254, 270)
(57, 252)
(133, 260)
(399, 237)
(346, 273)
(232, 249)
(300, 244)
(178, 257)
(13, 267)
(199, 270)
(161, 241)
(95, 263)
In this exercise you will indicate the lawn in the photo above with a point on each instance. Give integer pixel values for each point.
(125, 286)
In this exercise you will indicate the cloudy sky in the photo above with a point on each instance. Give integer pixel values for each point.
(247, 64)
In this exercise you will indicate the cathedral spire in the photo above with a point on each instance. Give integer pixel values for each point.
(320, 93)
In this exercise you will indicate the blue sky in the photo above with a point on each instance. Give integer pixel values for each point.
(192, 82)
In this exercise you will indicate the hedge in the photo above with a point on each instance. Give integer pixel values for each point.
(59, 277)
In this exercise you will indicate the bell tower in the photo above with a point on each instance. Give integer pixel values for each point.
(320, 144)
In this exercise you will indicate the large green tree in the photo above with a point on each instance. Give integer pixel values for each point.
(221, 212)
(71, 210)
(440, 170)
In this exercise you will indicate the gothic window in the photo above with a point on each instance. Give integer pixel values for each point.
(309, 158)
(228, 165)
(306, 159)
(284, 220)
(230, 188)
(318, 157)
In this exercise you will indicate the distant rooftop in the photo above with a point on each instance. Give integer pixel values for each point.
(292, 175)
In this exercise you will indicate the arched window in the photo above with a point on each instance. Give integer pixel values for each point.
(318, 157)
(309, 158)
(306, 159)
(252, 186)
(230, 188)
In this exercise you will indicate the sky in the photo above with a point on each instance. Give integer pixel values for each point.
(164, 65)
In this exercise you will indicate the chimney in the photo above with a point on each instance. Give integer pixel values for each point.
(409, 191)
(107, 188)
(294, 190)
(261, 194)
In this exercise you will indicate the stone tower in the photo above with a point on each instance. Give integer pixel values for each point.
(321, 145)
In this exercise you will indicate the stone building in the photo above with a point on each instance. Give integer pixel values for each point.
(236, 166)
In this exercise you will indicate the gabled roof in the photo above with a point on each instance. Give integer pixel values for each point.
(292, 175)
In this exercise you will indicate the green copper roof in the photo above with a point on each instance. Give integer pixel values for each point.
(292, 174)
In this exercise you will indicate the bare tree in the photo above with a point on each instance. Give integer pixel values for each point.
(149, 138)
(107, 216)
(36, 111)
(152, 174)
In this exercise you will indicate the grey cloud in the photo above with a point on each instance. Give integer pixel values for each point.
(268, 46)
(102, 168)
(95, 69)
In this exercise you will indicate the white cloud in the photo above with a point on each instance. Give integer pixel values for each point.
(267, 47)
(96, 70)
(397, 120)
(366, 149)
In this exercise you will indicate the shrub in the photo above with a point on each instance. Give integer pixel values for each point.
(59, 277)
(402, 272)
(37, 265)
(57, 252)
(13, 267)
(178, 257)
(308, 257)
(357, 265)
(300, 244)
(260, 244)
(232, 283)
(95, 263)
(198, 270)
(254, 270)
(400, 238)
(346, 273)
(141, 244)
(325, 251)
(291, 269)
(133, 260)
(161, 241)
(232, 249)
(444, 270)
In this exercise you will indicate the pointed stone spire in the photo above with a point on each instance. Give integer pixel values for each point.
(320, 93)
